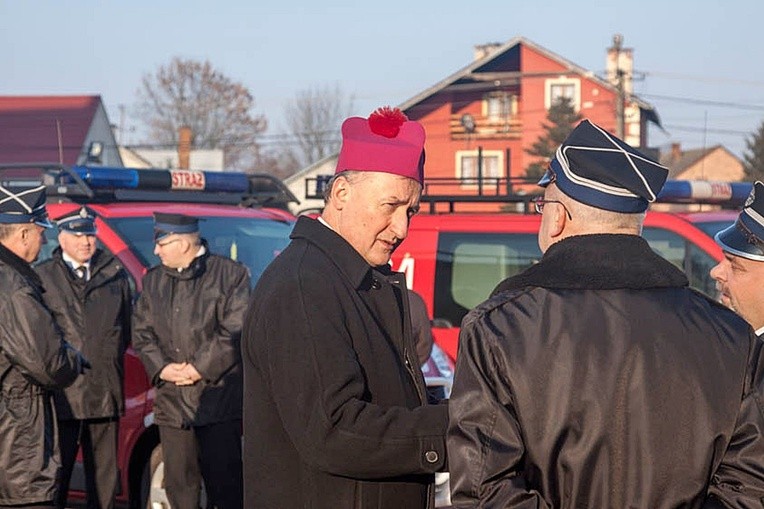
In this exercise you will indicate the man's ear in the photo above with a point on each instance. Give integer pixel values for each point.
(559, 220)
(340, 193)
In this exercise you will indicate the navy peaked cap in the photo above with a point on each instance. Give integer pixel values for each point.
(23, 205)
(595, 168)
(79, 222)
(746, 236)
(167, 224)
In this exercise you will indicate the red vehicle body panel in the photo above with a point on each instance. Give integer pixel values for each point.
(417, 254)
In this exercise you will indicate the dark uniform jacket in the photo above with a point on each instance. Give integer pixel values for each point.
(95, 318)
(194, 316)
(34, 359)
(334, 409)
(598, 379)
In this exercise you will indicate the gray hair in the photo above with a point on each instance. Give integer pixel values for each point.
(588, 217)
(8, 229)
(351, 176)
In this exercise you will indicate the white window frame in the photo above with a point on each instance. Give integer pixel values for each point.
(498, 155)
(563, 80)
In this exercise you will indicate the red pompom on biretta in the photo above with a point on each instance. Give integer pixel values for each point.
(387, 121)
(386, 142)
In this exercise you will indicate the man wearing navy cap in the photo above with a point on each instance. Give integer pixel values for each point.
(34, 357)
(335, 409)
(740, 275)
(597, 377)
(88, 292)
(187, 329)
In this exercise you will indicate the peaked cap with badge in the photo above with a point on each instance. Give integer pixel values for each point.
(78, 222)
(168, 224)
(596, 168)
(385, 142)
(20, 205)
(746, 236)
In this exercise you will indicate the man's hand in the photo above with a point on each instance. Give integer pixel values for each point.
(190, 375)
(174, 373)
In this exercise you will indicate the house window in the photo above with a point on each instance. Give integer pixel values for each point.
(558, 88)
(499, 106)
(467, 166)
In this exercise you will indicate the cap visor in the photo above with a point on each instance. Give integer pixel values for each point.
(44, 222)
(732, 240)
(546, 179)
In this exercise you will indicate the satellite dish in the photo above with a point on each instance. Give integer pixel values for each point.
(468, 122)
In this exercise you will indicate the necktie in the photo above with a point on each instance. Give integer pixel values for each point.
(80, 272)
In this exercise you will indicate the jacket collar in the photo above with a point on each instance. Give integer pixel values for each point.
(599, 262)
(336, 248)
(20, 266)
(98, 262)
(197, 267)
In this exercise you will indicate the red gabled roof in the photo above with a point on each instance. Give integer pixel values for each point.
(29, 132)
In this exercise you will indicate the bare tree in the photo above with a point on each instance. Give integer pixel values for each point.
(218, 110)
(313, 120)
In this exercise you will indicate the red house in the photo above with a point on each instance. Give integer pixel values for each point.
(56, 129)
(498, 103)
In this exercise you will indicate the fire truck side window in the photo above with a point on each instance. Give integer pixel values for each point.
(470, 265)
(695, 263)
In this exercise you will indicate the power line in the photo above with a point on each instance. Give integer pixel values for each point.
(705, 102)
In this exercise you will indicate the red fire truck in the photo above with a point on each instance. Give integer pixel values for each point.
(243, 217)
(455, 259)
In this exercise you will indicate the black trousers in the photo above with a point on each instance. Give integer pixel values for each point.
(212, 453)
(98, 440)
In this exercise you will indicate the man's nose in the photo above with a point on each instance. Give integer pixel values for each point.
(400, 225)
(716, 271)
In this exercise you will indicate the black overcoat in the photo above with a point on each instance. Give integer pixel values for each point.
(598, 379)
(335, 414)
(194, 316)
(95, 318)
(34, 359)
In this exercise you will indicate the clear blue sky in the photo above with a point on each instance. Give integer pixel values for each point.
(701, 59)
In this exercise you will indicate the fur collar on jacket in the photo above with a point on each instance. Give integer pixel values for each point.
(598, 262)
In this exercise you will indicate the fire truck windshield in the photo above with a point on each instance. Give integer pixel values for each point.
(254, 242)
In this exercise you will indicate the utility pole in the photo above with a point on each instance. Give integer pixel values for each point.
(619, 76)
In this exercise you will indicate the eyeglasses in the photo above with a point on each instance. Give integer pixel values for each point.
(539, 204)
(163, 244)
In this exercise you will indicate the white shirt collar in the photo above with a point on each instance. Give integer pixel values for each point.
(74, 263)
(199, 253)
(321, 220)
(760, 331)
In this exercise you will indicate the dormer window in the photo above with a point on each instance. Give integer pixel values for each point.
(563, 87)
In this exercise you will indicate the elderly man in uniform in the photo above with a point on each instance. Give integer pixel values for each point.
(597, 378)
(34, 357)
(335, 411)
(88, 292)
(740, 275)
(186, 328)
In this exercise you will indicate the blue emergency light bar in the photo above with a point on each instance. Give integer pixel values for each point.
(705, 191)
(162, 180)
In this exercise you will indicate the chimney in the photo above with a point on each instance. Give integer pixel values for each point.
(620, 59)
(184, 147)
(482, 50)
(676, 151)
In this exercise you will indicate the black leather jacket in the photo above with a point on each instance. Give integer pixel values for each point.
(34, 359)
(194, 316)
(95, 318)
(598, 379)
